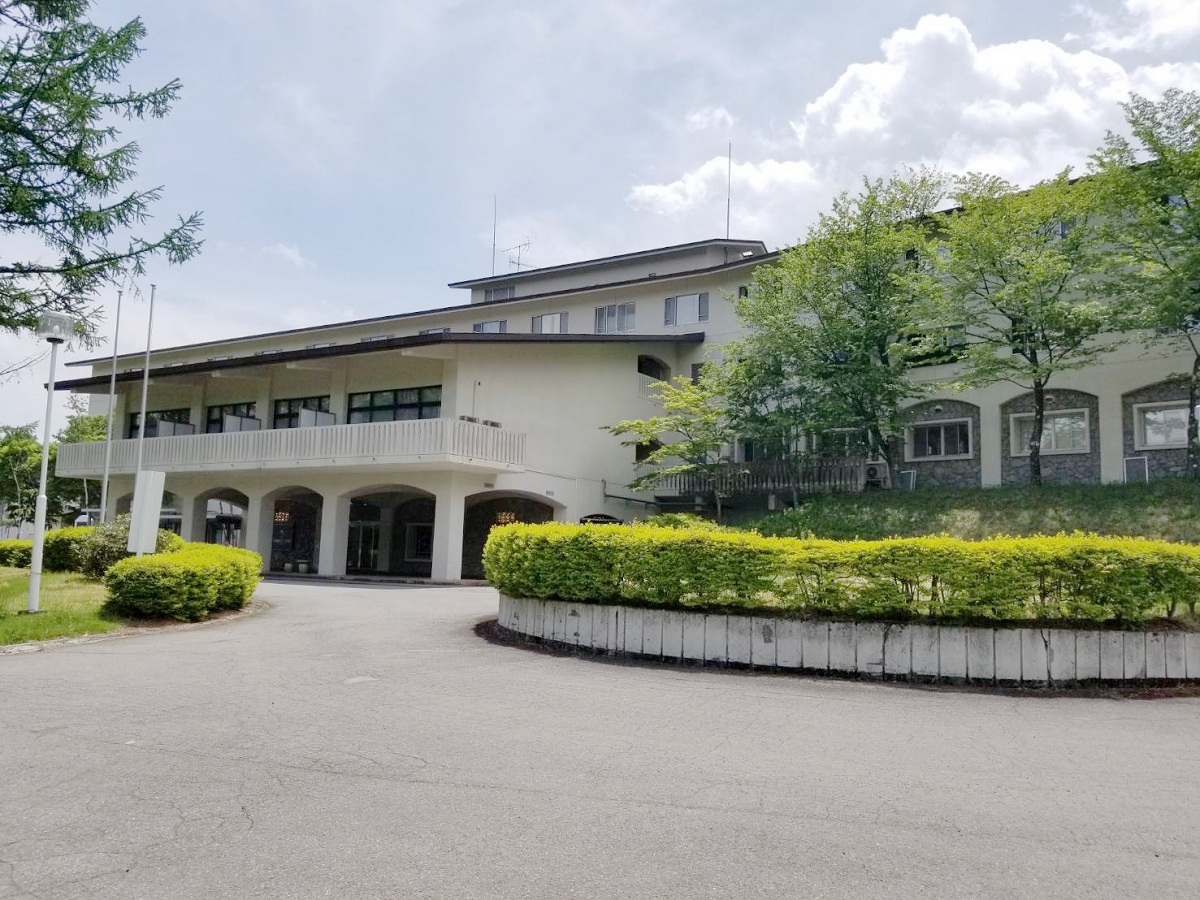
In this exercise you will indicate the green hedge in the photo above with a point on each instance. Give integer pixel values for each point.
(16, 553)
(189, 583)
(105, 544)
(1077, 577)
(64, 549)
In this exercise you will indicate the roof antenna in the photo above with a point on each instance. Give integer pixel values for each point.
(728, 188)
(517, 260)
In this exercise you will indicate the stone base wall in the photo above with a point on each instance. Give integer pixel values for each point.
(917, 652)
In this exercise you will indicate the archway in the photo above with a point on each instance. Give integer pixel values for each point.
(390, 532)
(483, 511)
(295, 529)
(170, 516)
(219, 517)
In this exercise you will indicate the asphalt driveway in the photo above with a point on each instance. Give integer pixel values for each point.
(363, 741)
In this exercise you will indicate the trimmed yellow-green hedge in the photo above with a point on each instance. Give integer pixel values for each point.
(64, 548)
(1076, 577)
(17, 553)
(187, 584)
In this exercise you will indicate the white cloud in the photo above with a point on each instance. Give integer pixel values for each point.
(291, 254)
(1023, 110)
(1143, 24)
(709, 117)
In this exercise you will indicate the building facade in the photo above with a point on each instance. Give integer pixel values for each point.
(390, 446)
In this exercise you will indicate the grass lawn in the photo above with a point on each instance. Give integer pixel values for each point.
(1168, 509)
(71, 605)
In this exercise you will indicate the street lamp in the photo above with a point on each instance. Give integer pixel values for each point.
(54, 328)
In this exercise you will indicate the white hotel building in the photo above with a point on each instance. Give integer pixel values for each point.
(389, 446)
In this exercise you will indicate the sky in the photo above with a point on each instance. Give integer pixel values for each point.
(350, 159)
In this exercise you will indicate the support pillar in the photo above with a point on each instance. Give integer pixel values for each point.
(990, 467)
(256, 529)
(334, 535)
(448, 528)
(193, 516)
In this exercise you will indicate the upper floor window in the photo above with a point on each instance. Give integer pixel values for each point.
(508, 292)
(550, 323)
(154, 417)
(375, 337)
(949, 439)
(615, 318)
(396, 405)
(320, 344)
(214, 420)
(287, 412)
(1064, 431)
(435, 331)
(686, 309)
(1160, 426)
(495, 326)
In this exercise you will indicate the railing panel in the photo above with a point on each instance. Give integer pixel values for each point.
(771, 477)
(349, 443)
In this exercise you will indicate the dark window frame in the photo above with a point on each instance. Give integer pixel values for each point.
(288, 411)
(425, 402)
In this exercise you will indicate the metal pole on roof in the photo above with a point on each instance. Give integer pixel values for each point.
(145, 388)
(112, 402)
(728, 188)
(495, 216)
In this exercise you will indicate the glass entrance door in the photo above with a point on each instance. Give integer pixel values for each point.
(362, 552)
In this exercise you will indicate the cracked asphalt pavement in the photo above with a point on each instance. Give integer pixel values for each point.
(364, 741)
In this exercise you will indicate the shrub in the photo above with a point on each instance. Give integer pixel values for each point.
(106, 544)
(188, 584)
(16, 553)
(1064, 578)
(64, 549)
(682, 520)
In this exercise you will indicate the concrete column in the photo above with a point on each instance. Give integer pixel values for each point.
(263, 410)
(197, 414)
(257, 526)
(448, 528)
(337, 394)
(387, 537)
(989, 444)
(193, 514)
(1112, 437)
(335, 532)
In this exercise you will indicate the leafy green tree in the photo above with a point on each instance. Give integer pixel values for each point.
(63, 171)
(1020, 273)
(66, 494)
(690, 437)
(1150, 186)
(821, 350)
(20, 468)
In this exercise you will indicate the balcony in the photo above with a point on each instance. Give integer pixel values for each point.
(420, 444)
(778, 476)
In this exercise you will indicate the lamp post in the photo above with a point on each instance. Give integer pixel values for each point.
(112, 402)
(54, 328)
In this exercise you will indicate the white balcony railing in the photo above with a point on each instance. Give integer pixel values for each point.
(451, 442)
(646, 388)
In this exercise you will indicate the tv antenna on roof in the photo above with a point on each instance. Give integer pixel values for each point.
(516, 261)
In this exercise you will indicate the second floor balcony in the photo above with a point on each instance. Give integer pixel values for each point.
(423, 443)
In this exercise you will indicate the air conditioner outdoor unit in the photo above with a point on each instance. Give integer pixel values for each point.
(878, 477)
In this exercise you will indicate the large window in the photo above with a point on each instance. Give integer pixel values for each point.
(495, 326)
(939, 440)
(397, 405)
(287, 412)
(214, 421)
(550, 323)
(153, 417)
(615, 318)
(686, 309)
(490, 295)
(1160, 426)
(1063, 431)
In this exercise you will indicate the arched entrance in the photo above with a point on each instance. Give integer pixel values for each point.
(170, 516)
(220, 516)
(295, 530)
(484, 511)
(390, 533)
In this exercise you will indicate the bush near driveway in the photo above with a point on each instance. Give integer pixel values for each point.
(188, 584)
(1076, 578)
(17, 553)
(105, 544)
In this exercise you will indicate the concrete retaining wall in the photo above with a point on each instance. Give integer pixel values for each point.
(922, 652)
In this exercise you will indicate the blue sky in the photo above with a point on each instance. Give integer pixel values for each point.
(346, 156)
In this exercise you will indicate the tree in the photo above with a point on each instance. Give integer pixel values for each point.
(822, 324)
(1150, 185)
(690, 437)
(1020, 274)
(20, 468)
(66, 494)
(63, 171)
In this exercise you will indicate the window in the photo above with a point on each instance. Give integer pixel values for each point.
(697, 368)
(653, 367)
(320, 344)
(287, 412)
(839, 442)
(499, 293)
(945, 345)
(1160, 426)
(153, 417)
(642, 451)
(1062, 432)
(939, 440)
(686, 309)
(418, 542)
(495, 326)
(615, 318)
(397, 405)
(435, 331)
(550, 323)
(214, 421)
(1020, 335)
(743, 291)
(375, 337)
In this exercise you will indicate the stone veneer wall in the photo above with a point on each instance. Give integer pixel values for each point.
(946, 472)
(919, 652)
(1066, 468)
(1160, 463)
